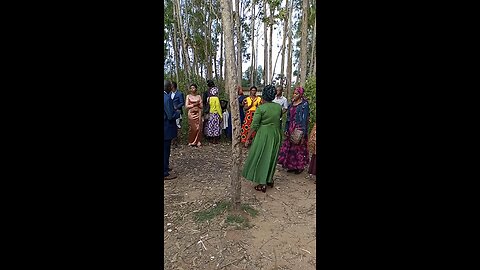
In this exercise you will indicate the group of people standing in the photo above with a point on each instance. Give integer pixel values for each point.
(261, 128)
(265, 125)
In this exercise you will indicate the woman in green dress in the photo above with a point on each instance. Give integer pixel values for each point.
(262, 157)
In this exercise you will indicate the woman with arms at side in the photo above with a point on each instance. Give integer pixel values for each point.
(213, 129)
(262, 157)
(294, 153)
(194, 106)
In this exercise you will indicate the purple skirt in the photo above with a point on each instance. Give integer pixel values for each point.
(293, 156)
(212, 128)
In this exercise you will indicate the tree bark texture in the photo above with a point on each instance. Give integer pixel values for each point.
(230, 83)
(270, 44)
(285, 29)
(290, 53)
(314, 43)
(253, 67)
(239, 43)
(185, 57)
(265, 44)
(303, 46)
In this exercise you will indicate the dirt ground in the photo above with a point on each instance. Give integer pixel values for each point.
(281, 236)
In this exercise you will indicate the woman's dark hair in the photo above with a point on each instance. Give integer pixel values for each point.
(196, 87)
(253, 87)
(210, 83)
(174, 84)
(268, 93)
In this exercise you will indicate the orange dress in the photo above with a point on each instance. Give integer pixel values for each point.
(194, 106)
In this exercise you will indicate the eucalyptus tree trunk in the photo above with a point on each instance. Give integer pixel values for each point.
(230, 87)
(214, 45)
(285, 29)
(208, 57)
(239, 43)
(185, 57)
(265, 44)
(225, 53)
(270, 62)
(194, 65)
(221, 55)
(215, 66)
(255, 74)
(303, 44)
(314, 43)
(175, 52)
(290, 53)
(175, 45)
(253, 69)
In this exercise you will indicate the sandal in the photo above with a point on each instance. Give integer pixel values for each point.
(261, 188)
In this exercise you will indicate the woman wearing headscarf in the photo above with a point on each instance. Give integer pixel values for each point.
(294, 153)
(206, 106)
(213, 126)
(194, 106)
(251, 104)
(262, 157)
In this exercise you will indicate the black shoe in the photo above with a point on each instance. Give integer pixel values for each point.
(261, 188)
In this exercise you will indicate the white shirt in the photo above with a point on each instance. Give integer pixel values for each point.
(173, 94)
(225, 119)
(282, 101)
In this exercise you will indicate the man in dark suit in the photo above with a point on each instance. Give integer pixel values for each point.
(178, 103)
(170, 115)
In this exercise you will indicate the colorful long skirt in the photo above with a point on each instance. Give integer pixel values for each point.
(212, 128)
(246, 127)
(293, 156)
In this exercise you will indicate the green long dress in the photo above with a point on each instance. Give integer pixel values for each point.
(262, 157)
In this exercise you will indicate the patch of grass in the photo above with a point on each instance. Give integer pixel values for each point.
(239, 221)
(212, 212)
(236, 219)
(252, 212)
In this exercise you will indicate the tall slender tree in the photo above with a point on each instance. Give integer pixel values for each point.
(290, 52)
(314, 43)
(239, 42)
(265, 43)
(230, 82)
(252, 26)
(270, 44)
(285, 29)
(222, 39)
(183, 39)
(304, 41)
